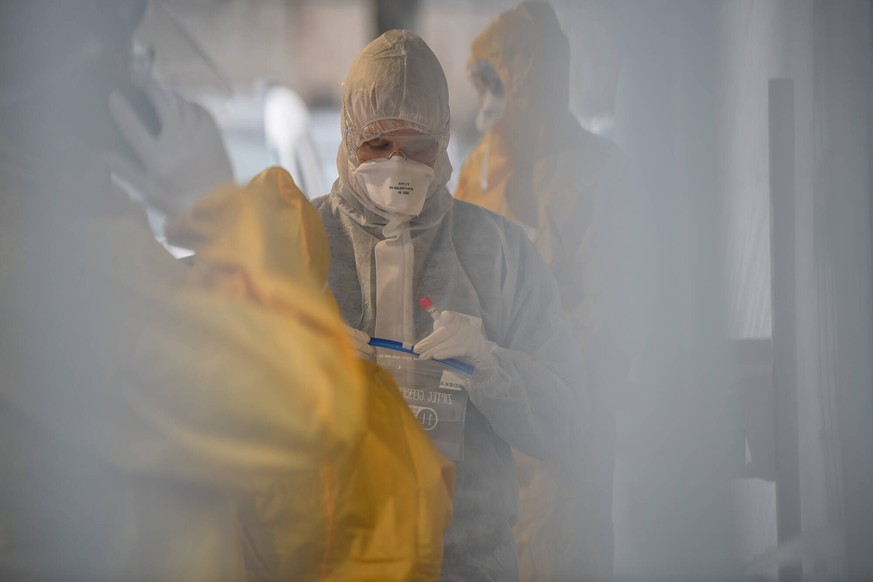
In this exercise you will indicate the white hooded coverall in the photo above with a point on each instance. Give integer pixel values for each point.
(468, 260)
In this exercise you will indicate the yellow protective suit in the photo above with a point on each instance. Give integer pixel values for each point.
(377, 512)
(138, 405)
(560, 182)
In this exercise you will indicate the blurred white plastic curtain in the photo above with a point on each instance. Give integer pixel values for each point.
(693, 115)
(287, 125)
(678, 424)
(825, 49)
(839, 313)
(180, 61)
(759, 41)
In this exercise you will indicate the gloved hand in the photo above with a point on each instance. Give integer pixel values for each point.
(456, 335)
(360, 341)
(182, 162)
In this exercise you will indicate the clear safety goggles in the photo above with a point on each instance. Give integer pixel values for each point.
(419, 147)
(485, 78)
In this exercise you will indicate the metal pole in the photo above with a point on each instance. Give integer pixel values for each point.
(783, 261)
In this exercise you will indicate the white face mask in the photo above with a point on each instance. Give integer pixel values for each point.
(395, 184)
(490, 112)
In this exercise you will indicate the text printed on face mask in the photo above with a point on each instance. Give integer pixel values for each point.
(404, 188)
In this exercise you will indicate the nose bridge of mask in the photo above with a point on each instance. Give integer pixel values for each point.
(395, 184)
(399, 152)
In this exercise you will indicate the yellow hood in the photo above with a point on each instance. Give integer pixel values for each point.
(531, 56)
(247, 241)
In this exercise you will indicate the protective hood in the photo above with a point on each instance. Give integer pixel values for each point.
(268, 233)
(395, 77)
(531, 56)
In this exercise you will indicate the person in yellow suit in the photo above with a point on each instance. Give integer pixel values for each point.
(536, 165)
(137, 405)
(377, 512)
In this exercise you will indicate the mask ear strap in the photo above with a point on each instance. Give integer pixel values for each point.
(483, 163)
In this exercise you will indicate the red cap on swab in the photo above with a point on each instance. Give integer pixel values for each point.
(425, 302)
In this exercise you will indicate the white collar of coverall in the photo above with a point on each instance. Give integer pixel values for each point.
(360, 209)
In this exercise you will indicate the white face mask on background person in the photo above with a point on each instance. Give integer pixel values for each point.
(490, 112)
(395, 184)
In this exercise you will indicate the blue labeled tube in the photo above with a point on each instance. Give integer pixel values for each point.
(454, 363)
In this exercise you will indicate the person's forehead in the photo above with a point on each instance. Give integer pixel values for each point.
(392, 127)
(397, 131)
(402, 132)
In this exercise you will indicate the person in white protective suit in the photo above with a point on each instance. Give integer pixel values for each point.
(396, 235)
(136, 405)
